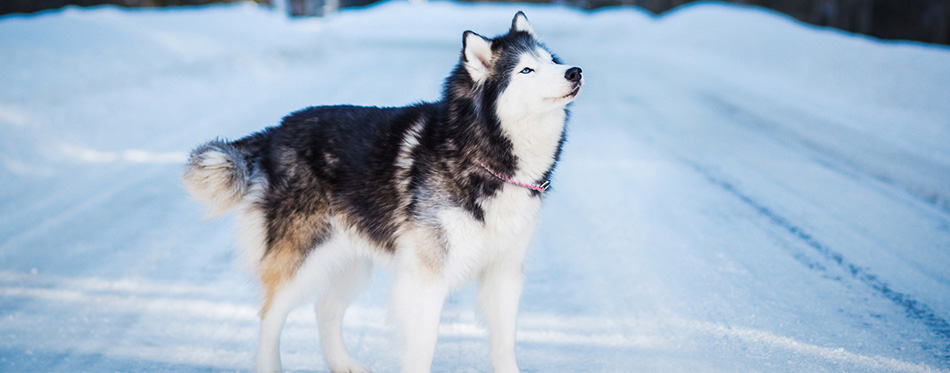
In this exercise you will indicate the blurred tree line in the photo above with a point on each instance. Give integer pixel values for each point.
(920, 20)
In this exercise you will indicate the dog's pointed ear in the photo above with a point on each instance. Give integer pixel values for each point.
(476, 55)
(520, 23)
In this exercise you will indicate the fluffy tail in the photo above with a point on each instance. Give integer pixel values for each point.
(217, 174)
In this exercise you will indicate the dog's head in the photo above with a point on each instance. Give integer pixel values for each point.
(516, 72)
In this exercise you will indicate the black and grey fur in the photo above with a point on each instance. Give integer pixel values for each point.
(429, 189)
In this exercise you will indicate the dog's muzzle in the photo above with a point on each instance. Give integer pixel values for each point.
(574, 76)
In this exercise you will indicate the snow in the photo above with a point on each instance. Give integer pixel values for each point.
(739, 192)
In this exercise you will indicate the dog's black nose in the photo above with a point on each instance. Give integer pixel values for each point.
(573, 74)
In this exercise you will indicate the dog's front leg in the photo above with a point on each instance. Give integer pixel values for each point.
(499, 290)
(418, 295)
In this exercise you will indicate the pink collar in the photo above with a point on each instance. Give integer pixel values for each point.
(537, 188)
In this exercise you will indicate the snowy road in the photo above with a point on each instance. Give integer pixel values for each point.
(738, 192)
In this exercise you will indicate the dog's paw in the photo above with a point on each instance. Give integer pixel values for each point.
(505, 366)
(348, 366)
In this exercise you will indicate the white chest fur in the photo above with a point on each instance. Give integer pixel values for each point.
(510, 220)
(534, 141)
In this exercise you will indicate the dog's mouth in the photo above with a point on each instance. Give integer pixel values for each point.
(574, 91)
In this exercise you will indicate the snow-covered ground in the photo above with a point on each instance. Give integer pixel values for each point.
(739, 192)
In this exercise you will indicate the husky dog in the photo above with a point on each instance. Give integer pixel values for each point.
(441, 192)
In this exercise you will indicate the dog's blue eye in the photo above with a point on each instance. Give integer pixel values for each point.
(527, 70)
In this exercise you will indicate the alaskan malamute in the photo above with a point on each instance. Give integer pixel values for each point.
(442, 192)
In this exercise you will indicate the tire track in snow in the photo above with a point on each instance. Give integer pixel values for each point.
(865, 154)
(913, 308)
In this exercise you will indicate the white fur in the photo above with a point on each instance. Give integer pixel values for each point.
(350, 279)
(209, 181)
(251, 240)
(404, 159)
(531, 111)
(417, 294)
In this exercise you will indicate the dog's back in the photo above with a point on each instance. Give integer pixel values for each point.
(345, 154)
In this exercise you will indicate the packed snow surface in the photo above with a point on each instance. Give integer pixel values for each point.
(739, 192)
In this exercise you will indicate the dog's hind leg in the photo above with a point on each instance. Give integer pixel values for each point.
(272, 323)
(283, 291)
(316, 274)
(346, 282)
(293, 268)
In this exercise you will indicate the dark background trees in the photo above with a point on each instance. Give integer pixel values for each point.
(919, 20)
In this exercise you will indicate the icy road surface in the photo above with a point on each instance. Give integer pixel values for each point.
(739, 192)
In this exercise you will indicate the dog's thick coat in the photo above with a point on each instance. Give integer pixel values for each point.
(436, 190)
